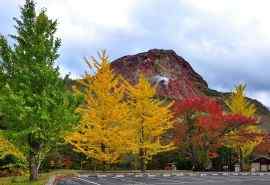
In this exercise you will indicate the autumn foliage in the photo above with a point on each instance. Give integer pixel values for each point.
(202, 126)
(114, 120)
(150, 120)
(103, 130)
(243, 133)
(198, 128)
(264, 147)
(7, 148)
(238, 120)
(118, 118)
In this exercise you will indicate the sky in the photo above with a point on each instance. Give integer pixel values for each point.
(225, 41)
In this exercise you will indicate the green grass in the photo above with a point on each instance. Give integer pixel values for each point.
(43, 179)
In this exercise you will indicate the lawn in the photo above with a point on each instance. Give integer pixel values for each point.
(43, 179)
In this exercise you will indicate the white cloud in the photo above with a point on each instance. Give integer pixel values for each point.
(262, 96)
(86, 20)
(227, 40)
(248, 19)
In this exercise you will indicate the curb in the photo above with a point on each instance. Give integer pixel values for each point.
(203, 174)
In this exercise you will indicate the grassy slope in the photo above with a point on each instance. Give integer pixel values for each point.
(43, 179)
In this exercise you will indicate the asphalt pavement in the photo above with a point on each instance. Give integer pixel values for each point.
(167, 179)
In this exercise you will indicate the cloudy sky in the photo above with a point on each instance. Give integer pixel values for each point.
(226, 41)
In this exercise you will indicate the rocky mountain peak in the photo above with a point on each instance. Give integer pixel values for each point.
(173, 75)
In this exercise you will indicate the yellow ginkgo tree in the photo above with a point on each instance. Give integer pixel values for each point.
(239, 105)
(151, 120)
(103, 130)
(118, 118)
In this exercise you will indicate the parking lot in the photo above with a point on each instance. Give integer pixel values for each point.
(202, 179)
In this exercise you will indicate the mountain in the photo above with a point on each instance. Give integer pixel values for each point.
(174, 77)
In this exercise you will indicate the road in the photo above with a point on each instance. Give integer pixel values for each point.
(166, 180)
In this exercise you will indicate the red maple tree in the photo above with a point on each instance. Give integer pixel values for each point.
(201, 126)
(198, 128)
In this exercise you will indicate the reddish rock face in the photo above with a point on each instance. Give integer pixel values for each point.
(172, 74)
(174, 77)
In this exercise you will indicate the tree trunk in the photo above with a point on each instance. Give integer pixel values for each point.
(242, 163)
(34, 158)
(142, 149)
(230, 161)
(95, 166)
(142, 165)
(103, 147)
(193, 158)
(142, 160)
(33, 167)
(104, 166)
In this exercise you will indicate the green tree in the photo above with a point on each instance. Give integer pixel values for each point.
(36, 108)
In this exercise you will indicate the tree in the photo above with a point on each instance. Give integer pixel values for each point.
(238, 104)
(36, 107)
(243, 133)
(7, 148)
(103, 132)
(151, 120)
(198, 128)
(264, 147)
(10, 157)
